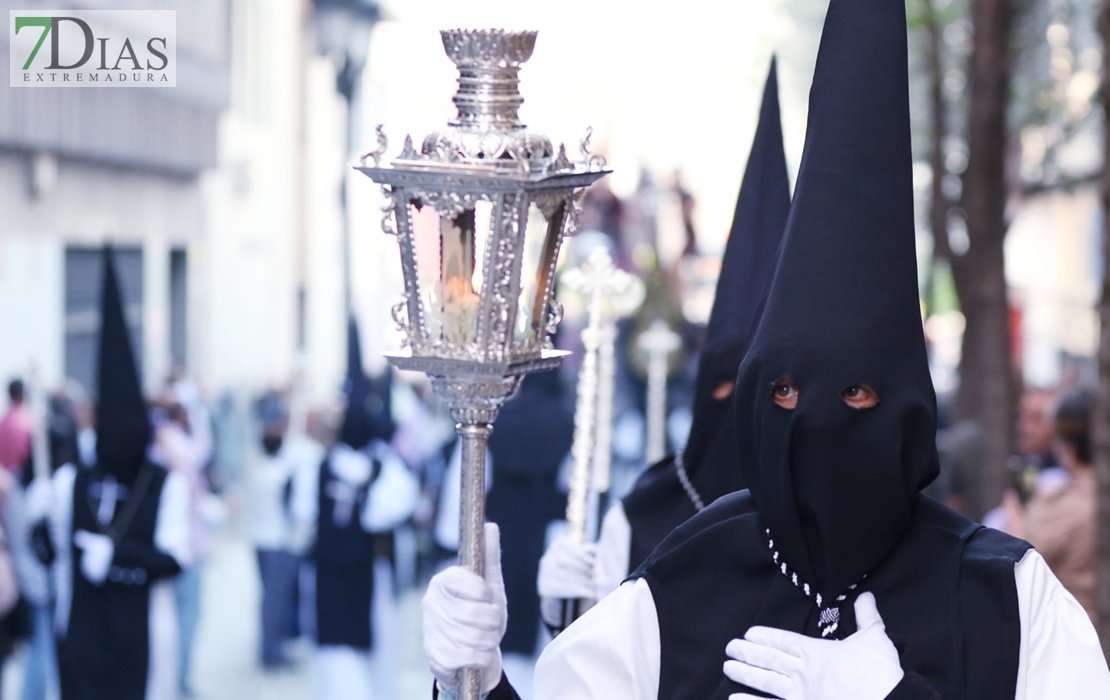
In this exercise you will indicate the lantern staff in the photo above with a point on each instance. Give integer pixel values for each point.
(477, 336)
(658, 342)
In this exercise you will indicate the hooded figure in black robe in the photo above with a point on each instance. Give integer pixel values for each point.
(671, 491)
(833, 578)
(659, 502)
(120, 530)
(530, 441)
(361, 488)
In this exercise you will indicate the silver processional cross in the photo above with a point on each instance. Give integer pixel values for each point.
(610, 293)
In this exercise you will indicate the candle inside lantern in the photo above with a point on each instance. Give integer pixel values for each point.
(457, 303)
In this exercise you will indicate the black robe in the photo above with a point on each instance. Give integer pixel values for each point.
(344, 557)
(531, 438)
(947, 595)
(105, 652)
(656, 506)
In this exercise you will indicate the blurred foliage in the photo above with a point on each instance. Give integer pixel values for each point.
(1054, 47)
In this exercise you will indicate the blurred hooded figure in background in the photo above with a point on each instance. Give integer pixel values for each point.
(532, 438)
(831, 577)
(120, 532)
(361, 488)
(677, 487)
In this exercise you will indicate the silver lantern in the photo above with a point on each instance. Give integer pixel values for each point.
(480, 211)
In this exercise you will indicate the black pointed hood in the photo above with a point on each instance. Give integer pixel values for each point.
(122, 425)
(835, 484)
(749, 258)
(367, 416)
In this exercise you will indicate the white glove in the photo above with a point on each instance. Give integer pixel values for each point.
(464, 620)
(790, 666)
(352, 467)
(96, 555)
(566, 573)
(39, 499)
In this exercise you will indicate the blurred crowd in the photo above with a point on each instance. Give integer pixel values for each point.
(324, 526)
(1051, 500)
(43, 431)
(272, 469)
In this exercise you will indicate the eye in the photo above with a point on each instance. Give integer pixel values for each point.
(860, 396)
(785, 393)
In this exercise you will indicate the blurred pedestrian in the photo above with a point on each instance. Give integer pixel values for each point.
(362, 487)
(1061, 520)
(184, 444)
(1037, 465)
(9, 589)
(15, 429)
(269, 487)
(28, 508)
(120, 532)
(1034, 468)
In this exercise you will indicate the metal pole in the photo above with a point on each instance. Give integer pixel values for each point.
(585, 425)
(472, 518)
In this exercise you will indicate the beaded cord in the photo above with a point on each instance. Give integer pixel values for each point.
(828, 620)
(687, 486)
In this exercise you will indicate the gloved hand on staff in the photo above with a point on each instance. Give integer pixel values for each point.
(465, 616)
(566, 574)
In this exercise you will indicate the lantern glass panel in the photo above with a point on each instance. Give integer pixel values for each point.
(425, 237)
(483, 220)
(529, 274)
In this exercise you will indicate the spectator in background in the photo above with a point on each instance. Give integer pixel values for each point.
(1060, 520)
(960, 484)
(9, 586)
(15, 429)
(270, 484)
(1036, 466)
(184, 441)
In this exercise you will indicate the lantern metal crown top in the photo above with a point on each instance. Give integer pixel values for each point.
(488, 130)
(502, 194)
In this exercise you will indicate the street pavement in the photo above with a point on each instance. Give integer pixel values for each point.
(226, 654)
(226, 666)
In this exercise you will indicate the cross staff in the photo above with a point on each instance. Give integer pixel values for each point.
(617, 305)
(601, 282)
(658, 342)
